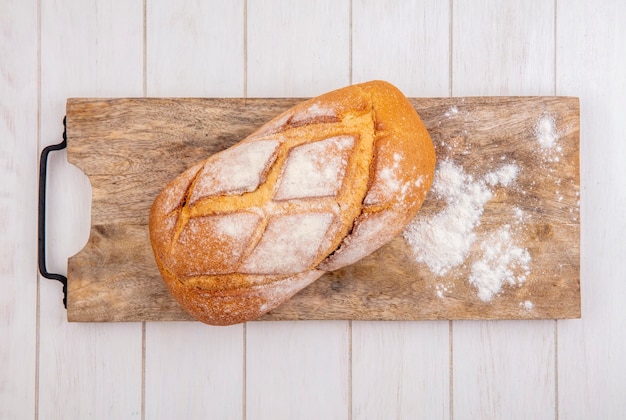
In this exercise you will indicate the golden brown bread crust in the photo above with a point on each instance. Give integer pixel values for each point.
(317, 188)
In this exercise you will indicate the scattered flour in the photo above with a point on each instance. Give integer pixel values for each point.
(545, 132)
(551, 153)
(520, 216)
(452, 111)
(503, 176)
(443, 289)
(502, 262)
(444, 241)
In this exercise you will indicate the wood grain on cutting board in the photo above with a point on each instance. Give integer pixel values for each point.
(131, 148)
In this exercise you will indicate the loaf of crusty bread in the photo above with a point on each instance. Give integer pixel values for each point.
(317, 188)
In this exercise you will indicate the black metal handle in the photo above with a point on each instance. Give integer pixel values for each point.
(41, 257)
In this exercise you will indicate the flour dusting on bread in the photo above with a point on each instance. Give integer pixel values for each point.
(214, 244)
(319, 187)
(236, 170)
(289, 244)
(316, 111)
(315, 169)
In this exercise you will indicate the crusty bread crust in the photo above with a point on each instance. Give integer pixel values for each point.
(315, 189)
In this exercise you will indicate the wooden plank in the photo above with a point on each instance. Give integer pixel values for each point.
(194, 370)
(86, 370)
(112, 278)
(516, 54)
(401, 369)
(183, 39)
(591, 61)
(18, 183)
(296, 370)
(194, 48)
(505, 369)
(297, 50)
(410, 41)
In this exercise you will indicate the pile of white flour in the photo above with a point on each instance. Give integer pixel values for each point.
(444, 241)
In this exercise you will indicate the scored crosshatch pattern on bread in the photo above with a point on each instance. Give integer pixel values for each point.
(319, 187)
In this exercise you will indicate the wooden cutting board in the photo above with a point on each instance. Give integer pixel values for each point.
(130, 149)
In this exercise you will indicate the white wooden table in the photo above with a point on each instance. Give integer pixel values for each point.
(51, 50)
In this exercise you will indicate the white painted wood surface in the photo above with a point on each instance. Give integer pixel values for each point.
(414, 35)
(503, 369)
(54, 370)
(195, 48)
(18, 174)
(297, 51)
(297, 370)
(401, 370)
(591, 63)
(193, 369)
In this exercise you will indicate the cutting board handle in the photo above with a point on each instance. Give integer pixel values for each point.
(41, 255)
